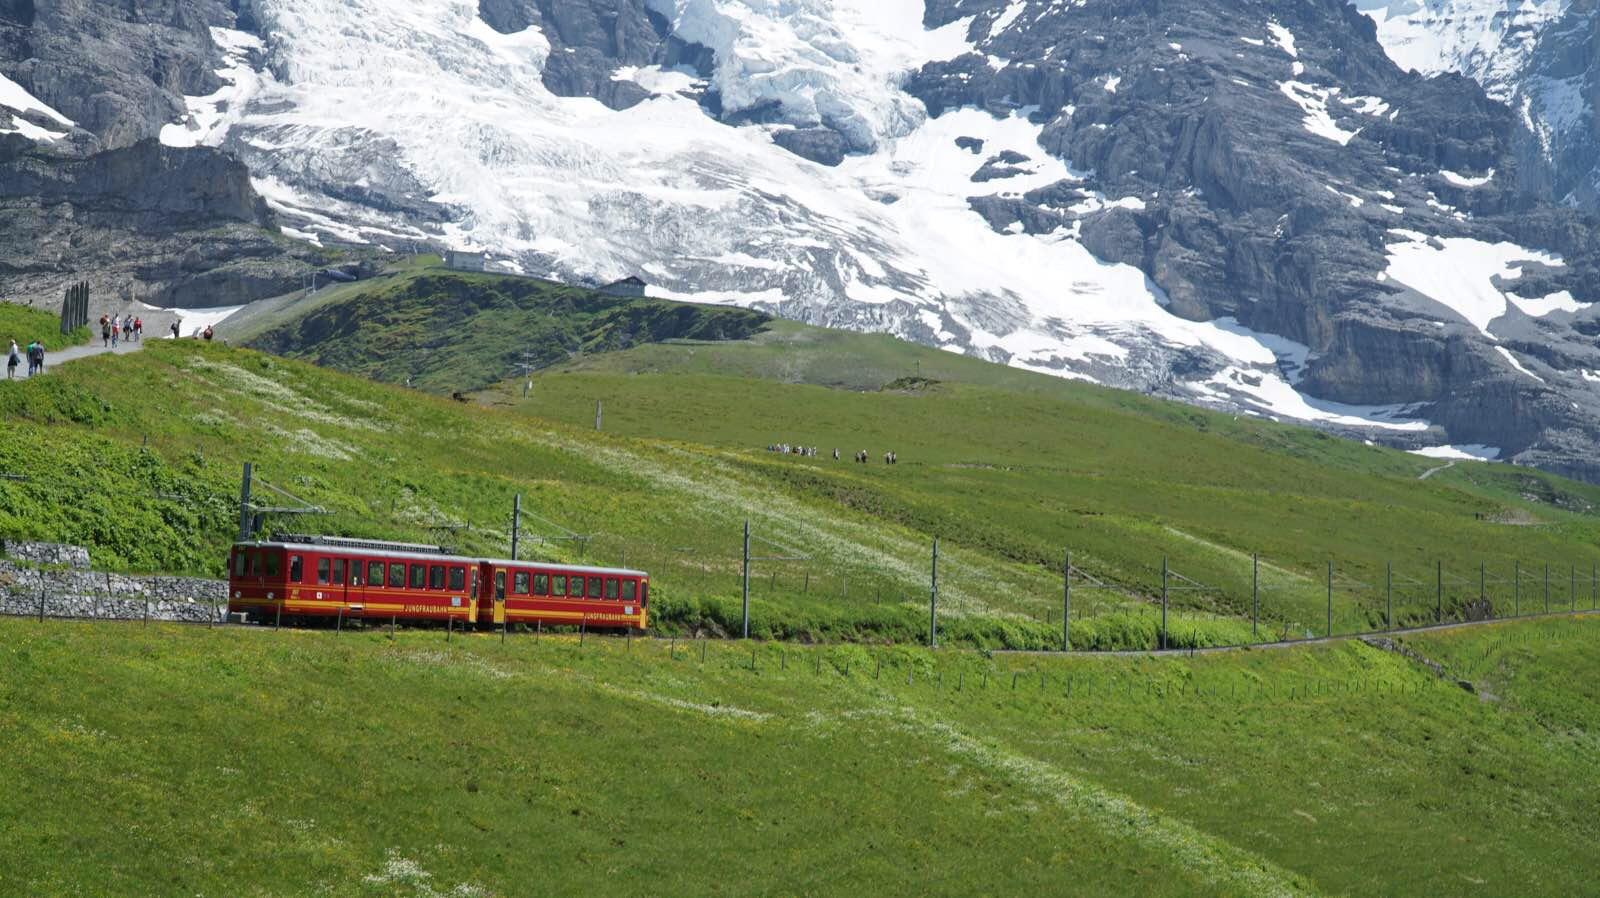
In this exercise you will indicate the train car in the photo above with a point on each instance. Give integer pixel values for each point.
(317, 576)
(531, 591)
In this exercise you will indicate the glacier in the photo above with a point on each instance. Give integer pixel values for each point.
(407, 122)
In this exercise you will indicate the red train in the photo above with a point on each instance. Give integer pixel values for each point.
(331, 576)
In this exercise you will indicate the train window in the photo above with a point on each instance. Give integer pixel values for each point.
(419, 576)
(322, 569)
(436, 577)
(374, 573)
(594, 587)
(500, 584)
(272, 563)
(296, 568)
(397, 575)
(255, 564)
(458, 578)
(611, 587)
(240, 559)
(355, 572)
(520, 584)
(338, 570)
(629, 590)
(558, 585)
(541, 584)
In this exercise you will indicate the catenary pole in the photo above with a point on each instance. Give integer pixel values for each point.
(1066, 602)
(1163, 602)
(745, 579)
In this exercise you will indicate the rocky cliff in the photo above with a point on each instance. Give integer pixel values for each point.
(86, 191)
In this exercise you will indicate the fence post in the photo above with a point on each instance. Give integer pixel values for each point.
(744, 581)
(1163, 643)
(1255, 596)
(1388, 594)
(1066, 602)
(933, 599)
(1330, 598)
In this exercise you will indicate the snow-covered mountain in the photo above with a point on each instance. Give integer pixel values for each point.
(1240, 203)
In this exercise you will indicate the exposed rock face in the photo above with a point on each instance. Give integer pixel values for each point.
(821, 145)
(118, 69)
(162, 225)
(590, 40)
(1270, 182)
(107, 203)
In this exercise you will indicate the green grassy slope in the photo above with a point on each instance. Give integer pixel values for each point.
(1025, 466)
(170, 761)
(446, 331)
(842, 551)
(25, 324)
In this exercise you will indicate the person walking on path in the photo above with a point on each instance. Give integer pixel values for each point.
(175, 328)
(105, 331)
(35, 358)
(138, 330)
(13, 359)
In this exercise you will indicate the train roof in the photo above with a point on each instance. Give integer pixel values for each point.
(434, 556)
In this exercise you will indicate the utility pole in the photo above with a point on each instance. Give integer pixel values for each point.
(1255, 596)
(1388, 593)
(745, 582)
(933, 600)
(1066, 603)
(597, 411)
(1163, 643)
(244, 504)
(516, 523)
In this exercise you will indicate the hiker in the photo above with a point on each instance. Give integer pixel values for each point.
(138, 329)
(35, 358)
(114, 331)
(207, 333)
(127, 328)
(105, 331)
(175, 328)
(13, 359)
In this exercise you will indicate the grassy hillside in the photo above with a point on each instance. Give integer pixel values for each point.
(1006, 469)
(170, 761)
(25, 324)
(446, 331)
(1024, 466)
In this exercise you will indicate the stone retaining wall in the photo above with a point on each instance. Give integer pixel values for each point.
(54, 554)
(24, 590)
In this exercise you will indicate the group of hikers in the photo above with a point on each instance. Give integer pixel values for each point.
(35, 354)
(889, 458)
(128, 326)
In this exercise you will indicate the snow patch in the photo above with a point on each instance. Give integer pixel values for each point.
(13, 96)
(209, 117)
(1506, 353)
(1459, 272)
(1463, 452)
(1461, 180)
(1313, 101)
